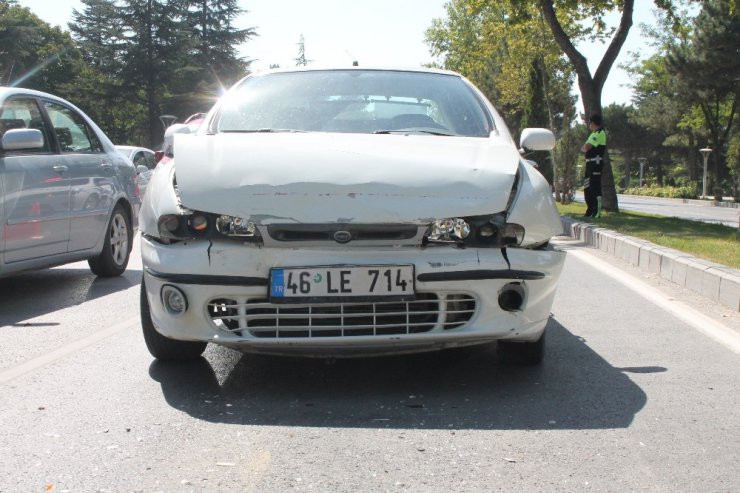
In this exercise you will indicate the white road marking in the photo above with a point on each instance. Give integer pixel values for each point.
(59, 353)
(707, 326)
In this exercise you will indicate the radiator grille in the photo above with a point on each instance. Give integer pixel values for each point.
(357, 232)
(260, 318)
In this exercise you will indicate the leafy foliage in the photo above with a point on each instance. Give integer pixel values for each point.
(32, 53)
(125, 62)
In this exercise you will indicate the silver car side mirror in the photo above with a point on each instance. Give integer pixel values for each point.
(537, 139)
(22, 138)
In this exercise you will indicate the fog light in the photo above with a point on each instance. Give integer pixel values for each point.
(174, 300)
(511, 297)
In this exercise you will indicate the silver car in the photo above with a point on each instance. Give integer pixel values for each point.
(350, 212)
(144, 161)
(67, 194)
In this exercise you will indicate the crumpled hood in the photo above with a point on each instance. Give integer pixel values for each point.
(344, 178)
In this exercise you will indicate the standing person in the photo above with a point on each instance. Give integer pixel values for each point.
(595, 148)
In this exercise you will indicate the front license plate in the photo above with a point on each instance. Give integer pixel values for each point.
(352, 282)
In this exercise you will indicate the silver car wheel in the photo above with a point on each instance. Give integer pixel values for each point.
(119, 239)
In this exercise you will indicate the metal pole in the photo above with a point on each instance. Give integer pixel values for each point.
(705, 154)
(642, 161)
(167, 120)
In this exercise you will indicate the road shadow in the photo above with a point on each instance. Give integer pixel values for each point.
(470, 388)
(33, 294)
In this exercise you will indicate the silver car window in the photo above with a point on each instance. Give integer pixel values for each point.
(24, 113)
(72, 132)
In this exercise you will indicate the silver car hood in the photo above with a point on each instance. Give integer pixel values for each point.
(343, 178)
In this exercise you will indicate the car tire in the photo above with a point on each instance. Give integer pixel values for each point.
(117, 245)
(522, 353)
(161, 347)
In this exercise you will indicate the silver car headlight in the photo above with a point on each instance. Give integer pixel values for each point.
(450, 230)
(475, 231)
(206, 225)
(235, 226)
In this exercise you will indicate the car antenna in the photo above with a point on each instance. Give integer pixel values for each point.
(355, 63)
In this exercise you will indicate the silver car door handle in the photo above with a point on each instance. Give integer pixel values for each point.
(106, 165)
(59, 168)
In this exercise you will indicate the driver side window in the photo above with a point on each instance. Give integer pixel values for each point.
(24, 113)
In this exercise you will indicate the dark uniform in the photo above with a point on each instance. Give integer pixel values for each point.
(594, 165)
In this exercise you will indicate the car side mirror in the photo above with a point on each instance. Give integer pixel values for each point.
(537, 139)
(22, 138)
(141, 169)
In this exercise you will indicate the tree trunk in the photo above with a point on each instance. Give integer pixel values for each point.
(589, 86)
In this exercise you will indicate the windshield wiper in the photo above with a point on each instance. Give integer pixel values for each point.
(415, 131)
(262, 130)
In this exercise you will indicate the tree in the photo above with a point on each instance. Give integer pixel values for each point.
(707, 67)
(33, 53)
(508, 52)
(98, 34)
(155, 48)
(217, 40)
(590, 13)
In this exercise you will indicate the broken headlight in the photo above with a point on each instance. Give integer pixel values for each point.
(205, 225)
(449, 230)
(476, 231)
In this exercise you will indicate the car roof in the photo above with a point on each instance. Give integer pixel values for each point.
(329, 68)
(12, 91)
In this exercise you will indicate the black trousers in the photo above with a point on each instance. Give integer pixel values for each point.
(591, 194)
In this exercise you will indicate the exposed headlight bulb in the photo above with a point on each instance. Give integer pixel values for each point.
(450, 229)
(235, 226)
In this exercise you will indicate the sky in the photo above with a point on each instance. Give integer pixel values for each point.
(377, 33)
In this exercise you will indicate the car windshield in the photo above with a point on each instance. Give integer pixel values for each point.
(356, 101)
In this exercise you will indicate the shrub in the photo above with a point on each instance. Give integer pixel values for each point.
(684, 192)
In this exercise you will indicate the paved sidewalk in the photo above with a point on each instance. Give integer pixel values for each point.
(714, 281)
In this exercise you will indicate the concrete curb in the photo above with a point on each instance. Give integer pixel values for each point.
(714, 281)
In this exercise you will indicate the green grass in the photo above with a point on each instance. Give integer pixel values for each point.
(713, 242)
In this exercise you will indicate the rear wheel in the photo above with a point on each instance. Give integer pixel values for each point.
(119, 239)
(161, 347)
(523, 353)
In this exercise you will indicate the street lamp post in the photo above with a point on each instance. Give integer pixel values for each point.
(167, 120)
(642, 161)
(705, 154)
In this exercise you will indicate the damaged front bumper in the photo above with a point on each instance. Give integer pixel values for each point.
(457, 302)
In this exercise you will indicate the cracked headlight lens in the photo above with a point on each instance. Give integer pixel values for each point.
(449, 230)
(235, 226)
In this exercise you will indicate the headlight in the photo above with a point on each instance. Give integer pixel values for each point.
(449, 230)
(205, 225)
(235, 226)
(476, 231)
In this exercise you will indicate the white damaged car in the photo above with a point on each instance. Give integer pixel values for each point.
(350, 212)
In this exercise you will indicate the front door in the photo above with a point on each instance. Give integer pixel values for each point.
(35, 190)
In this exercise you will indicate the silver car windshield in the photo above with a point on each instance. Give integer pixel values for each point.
(355, 101)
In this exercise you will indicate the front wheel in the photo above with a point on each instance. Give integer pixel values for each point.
(523, 353)
(119, 240)
(161, 347)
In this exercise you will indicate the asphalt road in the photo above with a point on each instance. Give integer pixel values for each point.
(639, 391)
(729, 216)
